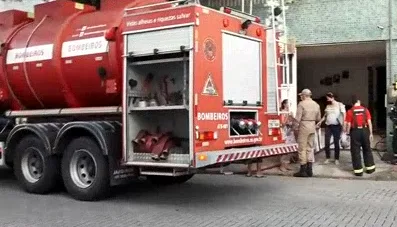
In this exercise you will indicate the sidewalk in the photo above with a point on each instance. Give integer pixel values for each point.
(270, 165)
(343, 171)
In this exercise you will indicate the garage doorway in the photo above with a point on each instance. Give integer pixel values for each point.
(344, 69)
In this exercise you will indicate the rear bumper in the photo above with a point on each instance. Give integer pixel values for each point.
(236, 154)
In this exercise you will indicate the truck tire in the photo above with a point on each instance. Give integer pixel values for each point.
(36, 171)
(85, 170)
(167, 180)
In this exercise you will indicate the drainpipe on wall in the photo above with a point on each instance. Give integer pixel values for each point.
(391, 76)
(389, 124)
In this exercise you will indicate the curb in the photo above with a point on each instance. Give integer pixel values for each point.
(375, 177)
(218, 171)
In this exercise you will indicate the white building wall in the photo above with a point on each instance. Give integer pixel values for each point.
(24, 5)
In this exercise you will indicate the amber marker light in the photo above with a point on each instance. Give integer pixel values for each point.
(202, 157)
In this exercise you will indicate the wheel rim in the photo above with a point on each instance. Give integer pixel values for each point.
(83, 168)
(32, 165)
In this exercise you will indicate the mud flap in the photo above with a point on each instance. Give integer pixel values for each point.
(121, 174)
(2, 157)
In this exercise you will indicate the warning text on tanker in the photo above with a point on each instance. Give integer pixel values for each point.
(84, 47)
(158, 20)
(30, 54)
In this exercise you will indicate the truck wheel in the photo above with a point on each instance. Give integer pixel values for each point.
(36, 171)
(85, 170)
(166, 180)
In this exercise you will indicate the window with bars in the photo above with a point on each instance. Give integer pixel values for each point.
(287, 72)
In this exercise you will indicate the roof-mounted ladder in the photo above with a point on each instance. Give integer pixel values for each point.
(282, 62)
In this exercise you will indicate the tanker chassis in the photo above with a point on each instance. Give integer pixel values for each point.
(93, 98)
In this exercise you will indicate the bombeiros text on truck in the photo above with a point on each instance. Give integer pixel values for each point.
(95, 96)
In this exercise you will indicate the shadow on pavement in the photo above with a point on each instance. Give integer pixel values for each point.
(199, 190)
(6, 174)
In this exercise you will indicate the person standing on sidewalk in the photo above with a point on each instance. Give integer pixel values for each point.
(288, 134)
(334, 118)
(307, 115)
(359, 125)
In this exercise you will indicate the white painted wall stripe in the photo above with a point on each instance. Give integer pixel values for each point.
(84, 47)
(34, 53)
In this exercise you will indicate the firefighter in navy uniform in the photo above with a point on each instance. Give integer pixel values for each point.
(359, 125)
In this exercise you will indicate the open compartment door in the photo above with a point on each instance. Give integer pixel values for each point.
(158, 71)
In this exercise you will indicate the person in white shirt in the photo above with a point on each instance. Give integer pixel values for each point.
(334, 118)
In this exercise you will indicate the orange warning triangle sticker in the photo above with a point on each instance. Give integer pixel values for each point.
(209, 87)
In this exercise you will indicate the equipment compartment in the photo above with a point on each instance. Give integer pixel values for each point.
(158, 104)
(244, 123)
(158, 82)
(158, 136)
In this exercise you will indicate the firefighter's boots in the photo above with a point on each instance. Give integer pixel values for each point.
(309, 169)
(302, 172)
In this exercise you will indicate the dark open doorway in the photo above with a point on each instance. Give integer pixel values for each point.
(380, 91)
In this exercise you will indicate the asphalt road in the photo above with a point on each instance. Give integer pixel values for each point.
(211, 200)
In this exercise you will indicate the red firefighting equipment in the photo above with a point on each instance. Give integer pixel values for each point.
(158, 144)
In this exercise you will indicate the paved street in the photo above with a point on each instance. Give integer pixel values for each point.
(212, 200)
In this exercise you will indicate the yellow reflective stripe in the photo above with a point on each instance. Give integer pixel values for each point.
(358, 170)
(370, 168)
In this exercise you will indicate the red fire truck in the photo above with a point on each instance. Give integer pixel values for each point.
(94, 97)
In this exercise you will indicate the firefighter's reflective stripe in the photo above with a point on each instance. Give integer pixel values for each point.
(358, 170)
(370, 168)
(359, 110)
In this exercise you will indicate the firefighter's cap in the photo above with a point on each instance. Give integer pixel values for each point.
(306, 92)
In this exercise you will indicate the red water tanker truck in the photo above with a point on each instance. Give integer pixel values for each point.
(94, 97)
